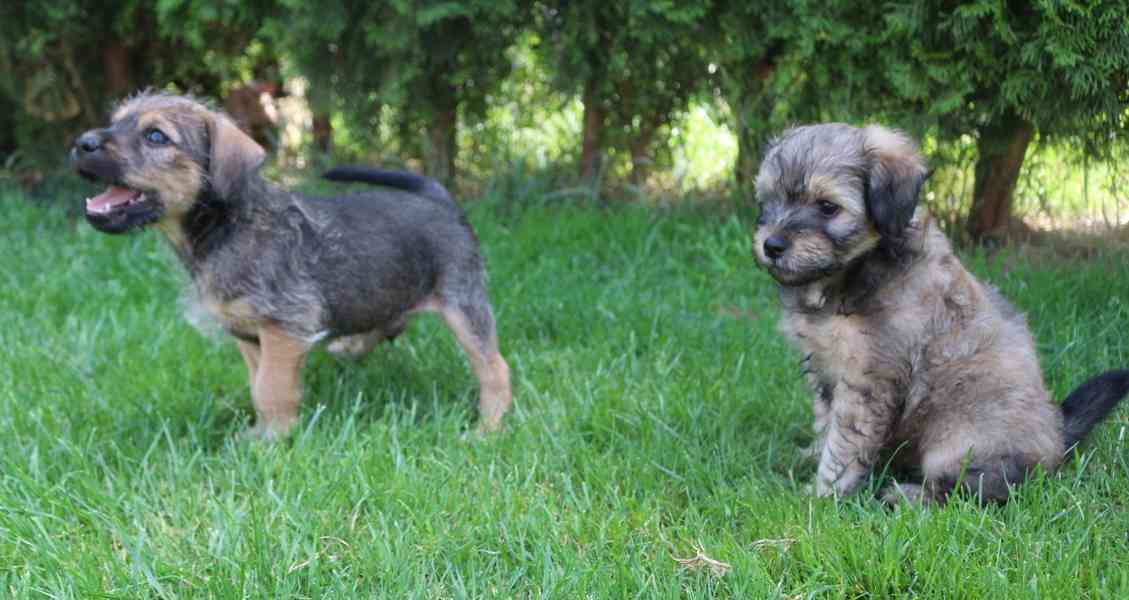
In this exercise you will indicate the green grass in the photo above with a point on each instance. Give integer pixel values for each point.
(657, 412)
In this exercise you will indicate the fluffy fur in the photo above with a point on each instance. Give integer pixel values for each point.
(915, 364)
(282, 271)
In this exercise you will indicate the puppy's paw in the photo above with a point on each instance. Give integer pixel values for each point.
(481, 433)
(822, 488)
(811, 451)
(354, 346)
(268, 431)
(488, 427)
(897, 494)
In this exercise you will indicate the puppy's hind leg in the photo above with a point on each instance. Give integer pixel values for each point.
(989, 481)
(473, 325)
(988, 476)
(908, 493)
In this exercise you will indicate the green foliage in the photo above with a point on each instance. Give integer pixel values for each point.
(927, 65)
(427, 61)
(639, 62)
(528, 124)
(1063, 66)
(782, 63)
(490, 85)
(63, 62)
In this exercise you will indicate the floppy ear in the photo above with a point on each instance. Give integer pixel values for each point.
(895, 172)
(233, 155)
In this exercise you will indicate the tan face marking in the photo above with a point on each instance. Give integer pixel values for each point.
(175, 178)
(841, 191)
(168, 170)
(197, 148)
(237, 315)
(155, 120)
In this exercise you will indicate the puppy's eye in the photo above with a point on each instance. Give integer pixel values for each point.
(156, 137)
(827, 209)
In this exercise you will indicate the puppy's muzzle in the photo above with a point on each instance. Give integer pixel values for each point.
(775, 246)
(88, 151)
(119, 208)
(91, 141)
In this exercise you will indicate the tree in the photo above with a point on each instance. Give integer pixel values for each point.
(792, 61)
(62, 79)
(634, 65)
(429, 61)
(667, 67)
(1006, 71)
(750, 45)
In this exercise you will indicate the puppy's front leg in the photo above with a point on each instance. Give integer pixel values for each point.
(821, 413)
(276, 385)
(861, 417)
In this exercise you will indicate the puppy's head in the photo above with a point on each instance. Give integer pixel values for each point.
(831, 193)
(161, 155)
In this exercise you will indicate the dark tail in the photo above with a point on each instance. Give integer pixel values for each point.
(1086, 406)
(401, 180)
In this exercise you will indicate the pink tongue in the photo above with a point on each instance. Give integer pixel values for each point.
(113, 196)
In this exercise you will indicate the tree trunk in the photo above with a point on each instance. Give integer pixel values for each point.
(439, 106)
(441, 131)
(1002, 145)
(750, 142)
(323, 133)
(115, 66)
(7, 127)
(592, 143)
(755, 105)
(641, 161)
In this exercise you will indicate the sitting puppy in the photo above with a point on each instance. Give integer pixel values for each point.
(915, 364)
(282, 271)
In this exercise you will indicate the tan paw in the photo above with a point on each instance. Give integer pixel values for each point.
(353, 346)
(811, 451)
(487, 427)
(905, 493)
(271, 431)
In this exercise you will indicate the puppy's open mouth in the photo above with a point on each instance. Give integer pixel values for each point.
(120, 209)
(114, 198)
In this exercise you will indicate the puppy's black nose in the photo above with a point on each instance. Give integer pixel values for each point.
(88, 142)
(776, 246)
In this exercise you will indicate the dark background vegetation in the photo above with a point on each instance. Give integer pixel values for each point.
(598, 95)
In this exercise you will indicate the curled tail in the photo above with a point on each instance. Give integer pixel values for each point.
(1086, 406)
(401, 180)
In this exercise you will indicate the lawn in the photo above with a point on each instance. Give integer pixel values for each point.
(657, 415)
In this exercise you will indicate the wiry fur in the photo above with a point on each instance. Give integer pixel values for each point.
(282, 271)
(915, 363)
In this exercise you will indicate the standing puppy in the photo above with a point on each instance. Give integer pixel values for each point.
(914, 362)
(282, 271)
